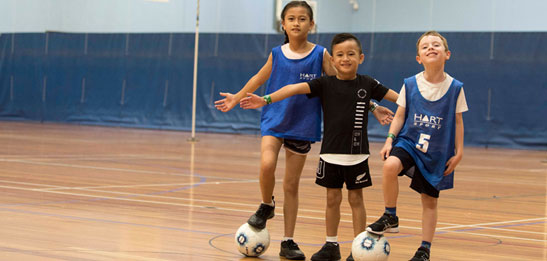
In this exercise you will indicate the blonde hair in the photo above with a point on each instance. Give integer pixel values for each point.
(432, 33)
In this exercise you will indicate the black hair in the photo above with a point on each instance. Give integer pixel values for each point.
(342, 37)
(291, 5)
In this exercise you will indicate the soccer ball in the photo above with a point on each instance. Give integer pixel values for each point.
(370, 247)
(251, 241)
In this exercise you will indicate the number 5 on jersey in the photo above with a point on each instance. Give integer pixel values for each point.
(423, 142)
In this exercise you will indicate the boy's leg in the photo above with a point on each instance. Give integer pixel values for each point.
(269, 149)
(429, 217)
(429, 223)
(328, 176)
(390, 183)
(429, 196)
(331, 250)
(358, 211)
(357, 177)
(390, 187)
(358, 214)
(332, 213)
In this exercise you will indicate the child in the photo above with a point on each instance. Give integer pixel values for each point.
(426, 138)
(294, 123)
(344, 151)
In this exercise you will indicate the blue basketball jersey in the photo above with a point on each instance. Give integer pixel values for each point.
(428, 133)
(296, 117)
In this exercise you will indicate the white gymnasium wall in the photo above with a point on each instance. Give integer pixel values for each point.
(257, 16)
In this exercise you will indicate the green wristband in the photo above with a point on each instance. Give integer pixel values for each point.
(373, 107)
(268, 99)
(391, 135)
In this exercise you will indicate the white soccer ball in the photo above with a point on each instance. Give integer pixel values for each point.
(370, 247)
(251, 241)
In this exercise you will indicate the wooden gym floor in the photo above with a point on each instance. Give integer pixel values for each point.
(70, 192)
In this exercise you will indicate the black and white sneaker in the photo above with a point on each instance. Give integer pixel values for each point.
(386, 223)
(264, 212)
(422, 254)
(291, 251)
(329, 252)
(350, 257)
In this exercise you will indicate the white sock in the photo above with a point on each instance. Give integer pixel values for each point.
(333, 239)
(271, 204)
(287, 238)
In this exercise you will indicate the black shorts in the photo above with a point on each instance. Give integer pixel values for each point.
(333, 176)
(297, 146)
(419, 183)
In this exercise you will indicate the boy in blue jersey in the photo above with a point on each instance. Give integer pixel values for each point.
(345, 100)
(425, 139)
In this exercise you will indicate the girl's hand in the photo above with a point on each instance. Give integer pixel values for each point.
(383, 115)
(227, 103)
(384, 152)
(451, 164)
(252, 101)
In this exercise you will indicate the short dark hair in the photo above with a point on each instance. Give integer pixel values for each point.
(342, 37)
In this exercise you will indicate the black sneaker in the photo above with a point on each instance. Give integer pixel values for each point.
(264, 212)
(329, 252)
(290, 250)
(350, 257)
(422, 254)
(386, 223)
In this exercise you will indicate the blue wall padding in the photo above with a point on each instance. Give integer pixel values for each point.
(145, 80)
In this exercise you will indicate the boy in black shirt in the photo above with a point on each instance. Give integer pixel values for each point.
(344, 152)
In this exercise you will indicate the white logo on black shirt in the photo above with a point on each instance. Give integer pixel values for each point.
(362, 93)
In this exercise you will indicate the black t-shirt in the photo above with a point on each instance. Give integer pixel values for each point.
(345, 106)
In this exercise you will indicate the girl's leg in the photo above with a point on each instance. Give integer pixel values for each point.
(294, 165)
(429, 217)
(358, 212)
(269, 150)
(332, 213)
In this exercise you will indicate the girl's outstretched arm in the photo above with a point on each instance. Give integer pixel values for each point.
(231, 100)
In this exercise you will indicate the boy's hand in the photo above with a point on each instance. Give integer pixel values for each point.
(227, 103)
(252, 101)
(451, 164)
(384, 153)
(383, 115)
